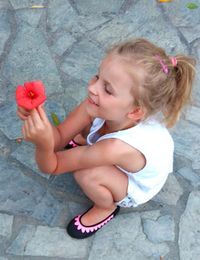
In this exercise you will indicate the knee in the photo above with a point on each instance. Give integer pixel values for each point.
(87, 176)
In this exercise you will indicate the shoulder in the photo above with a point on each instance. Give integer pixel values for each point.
(122, 154)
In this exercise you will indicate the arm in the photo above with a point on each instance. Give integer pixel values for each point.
(105, 152)
(76, 121)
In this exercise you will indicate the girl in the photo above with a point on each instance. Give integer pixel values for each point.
(138, 93)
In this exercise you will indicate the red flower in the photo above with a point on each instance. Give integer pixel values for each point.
(31, 95)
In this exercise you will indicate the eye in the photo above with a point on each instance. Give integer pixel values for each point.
(106, 90)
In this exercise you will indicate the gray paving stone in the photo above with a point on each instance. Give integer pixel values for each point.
(4, 146)
(183, 17)
(52, 106)
(189, 235)
(25, 154)
(189, 175)
(83, 61)
(150, 25)
(75, 88)
(123, 238)
(91, 21)
(63, 17)
(77, 208)
(62, 43)
(98, 7)
(6, 222)
(10, 124)
(4, 4)
(18, 4)
(18, 193)
(170, 193)
(4, 28)
(48, 242)
(49, 209)
(193, 114)
(164, 227)
(187, 135)
(66, 183)
(3, 92)
(18, 68)
(20, 242)
(152, 214)
(30, 16)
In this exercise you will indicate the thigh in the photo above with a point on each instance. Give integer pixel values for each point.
(108, 176)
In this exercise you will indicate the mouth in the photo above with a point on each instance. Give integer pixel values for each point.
(92, 102)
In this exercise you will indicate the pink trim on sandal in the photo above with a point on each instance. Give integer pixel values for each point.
(73, 144)
(88, 229)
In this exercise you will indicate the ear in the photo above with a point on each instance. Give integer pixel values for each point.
(136, 114)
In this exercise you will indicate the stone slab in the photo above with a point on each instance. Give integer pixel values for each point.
(62, 17)
(62, 43)
(18, 193)
(183, 17)
(170, 193)
(32, 241)
(83, 61)
(164, 227)
(5, 28)
(6, 222)
(124, 239)
(98, 7)
(18, 4)
(30, 59)
(189, 235)
(25, 154)
(10, 124)
(189, 175)
(187, 138)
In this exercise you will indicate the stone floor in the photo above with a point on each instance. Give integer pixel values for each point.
(61, 43)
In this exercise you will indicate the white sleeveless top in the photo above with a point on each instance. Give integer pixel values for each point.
(154, 141)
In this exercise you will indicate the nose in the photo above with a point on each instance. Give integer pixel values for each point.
(92, 85)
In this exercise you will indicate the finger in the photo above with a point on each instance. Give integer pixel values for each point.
(21, 116)
(42, 114)
(35, 116)
(23, 110)
(29, 122)
(25, 130)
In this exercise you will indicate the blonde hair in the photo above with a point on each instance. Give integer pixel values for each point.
(159, 91)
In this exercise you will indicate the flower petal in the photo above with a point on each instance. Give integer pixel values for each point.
(31, 95)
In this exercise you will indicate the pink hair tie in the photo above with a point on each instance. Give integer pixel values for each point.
(163, 65)
(174, 61)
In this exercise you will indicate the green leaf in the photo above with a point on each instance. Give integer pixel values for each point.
(191, 5)
(55, 119)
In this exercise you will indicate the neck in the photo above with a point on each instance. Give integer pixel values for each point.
(113, 126)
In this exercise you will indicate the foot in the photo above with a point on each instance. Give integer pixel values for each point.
(95, 215)
(77, 229)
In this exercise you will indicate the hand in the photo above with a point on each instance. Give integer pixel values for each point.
(23, 113)
(38, 130)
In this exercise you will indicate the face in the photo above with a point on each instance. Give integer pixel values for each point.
(109, 92)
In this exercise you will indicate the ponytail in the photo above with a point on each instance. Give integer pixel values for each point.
(184, 75)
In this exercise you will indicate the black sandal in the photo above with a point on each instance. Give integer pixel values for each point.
(71, 145)
(77, 230)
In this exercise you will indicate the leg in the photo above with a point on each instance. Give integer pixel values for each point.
(104, 185)
(79, 139)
